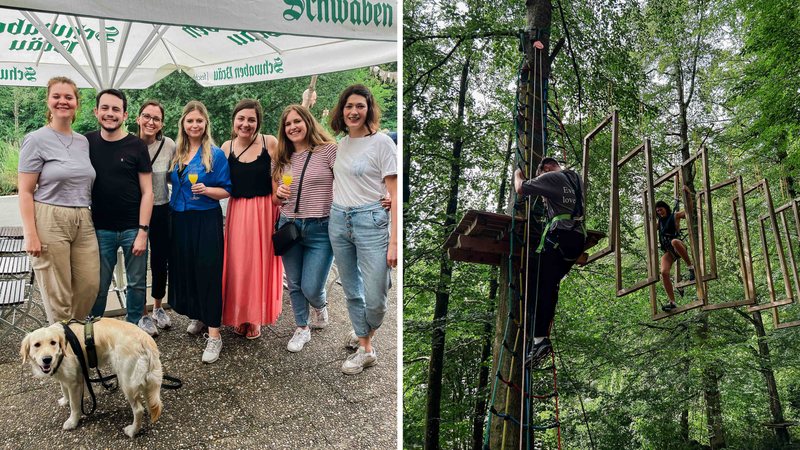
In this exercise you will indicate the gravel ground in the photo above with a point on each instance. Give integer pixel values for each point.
(256, 396)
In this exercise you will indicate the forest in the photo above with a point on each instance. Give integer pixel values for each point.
(691, 76)
(22, 109)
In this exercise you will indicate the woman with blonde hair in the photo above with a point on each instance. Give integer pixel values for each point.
(252, 274)
(310, 151)
(59, 232)
(200, 178)
(363, 238)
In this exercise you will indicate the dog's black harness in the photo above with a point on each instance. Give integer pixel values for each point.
(91, 355)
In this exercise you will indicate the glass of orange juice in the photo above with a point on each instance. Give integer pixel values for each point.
(287, 178)
(193, 180)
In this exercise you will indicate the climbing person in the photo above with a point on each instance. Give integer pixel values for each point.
(672, 246)
(562, 243)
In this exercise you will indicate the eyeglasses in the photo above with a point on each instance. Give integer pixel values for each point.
(148, 117)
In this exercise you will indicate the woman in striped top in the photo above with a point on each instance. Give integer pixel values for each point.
(302, 142)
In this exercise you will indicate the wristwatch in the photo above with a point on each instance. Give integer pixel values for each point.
(144, 227)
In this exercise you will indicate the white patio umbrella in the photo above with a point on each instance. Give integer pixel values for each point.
(284, 39)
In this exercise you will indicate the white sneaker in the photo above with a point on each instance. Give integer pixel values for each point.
(356, 362)
(319, 317)
(213, 346)
(146, 324)
(299, 339)
(195, 326)
(161, 318)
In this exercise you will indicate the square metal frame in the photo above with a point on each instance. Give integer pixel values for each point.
(745, 260)
(781, 257)
(649, 228)
(613, 119)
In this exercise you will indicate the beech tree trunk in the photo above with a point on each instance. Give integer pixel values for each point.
(434, 399)
(772, 388)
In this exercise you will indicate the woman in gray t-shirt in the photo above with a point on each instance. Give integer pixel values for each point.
(59, 233)
(161, 150)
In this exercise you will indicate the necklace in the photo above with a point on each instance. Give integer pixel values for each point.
(66, 146)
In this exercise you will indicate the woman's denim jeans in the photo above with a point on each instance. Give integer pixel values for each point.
(360, 240)
(307, 266)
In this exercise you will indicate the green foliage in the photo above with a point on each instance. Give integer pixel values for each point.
(23, 110)
(9, 160)
(683, 73)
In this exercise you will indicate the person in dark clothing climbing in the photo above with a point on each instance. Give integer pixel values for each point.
(562, 243)
(672, 246)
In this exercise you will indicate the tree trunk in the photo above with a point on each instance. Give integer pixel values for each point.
(711, 377)
(433, 406)
(483, 377)
(772, 388)
(538, 17)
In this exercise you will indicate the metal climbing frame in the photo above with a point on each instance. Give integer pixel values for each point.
(745, 260)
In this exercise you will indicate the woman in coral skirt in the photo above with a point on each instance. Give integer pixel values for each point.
(252, 281)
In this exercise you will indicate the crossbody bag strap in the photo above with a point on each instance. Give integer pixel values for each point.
(152, 161)
(300, 186)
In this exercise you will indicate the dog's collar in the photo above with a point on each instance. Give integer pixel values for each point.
(58, 364)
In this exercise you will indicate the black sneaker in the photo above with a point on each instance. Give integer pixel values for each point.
(538, 352)
(691, 274)
(669, 307)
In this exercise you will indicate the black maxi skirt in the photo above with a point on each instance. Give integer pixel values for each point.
(195, 265)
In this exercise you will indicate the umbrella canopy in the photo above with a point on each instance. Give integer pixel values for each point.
(300, 38)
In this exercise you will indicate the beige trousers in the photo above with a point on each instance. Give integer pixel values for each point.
(68, 272)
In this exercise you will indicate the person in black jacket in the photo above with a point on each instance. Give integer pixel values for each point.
(672, 246)
(562, 243)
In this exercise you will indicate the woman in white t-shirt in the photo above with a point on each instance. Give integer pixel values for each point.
(364, 245)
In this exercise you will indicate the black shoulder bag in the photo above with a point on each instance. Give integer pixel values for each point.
(288, 235)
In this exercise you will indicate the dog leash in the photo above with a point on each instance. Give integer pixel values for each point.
(91, 355)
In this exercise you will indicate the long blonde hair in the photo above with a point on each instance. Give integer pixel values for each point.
(315, 136)
(59, 80)
(183, 147)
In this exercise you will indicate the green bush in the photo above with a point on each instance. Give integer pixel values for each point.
(9, 160)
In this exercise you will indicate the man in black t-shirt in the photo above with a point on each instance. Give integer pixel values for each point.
(122, 201)
(561, 245)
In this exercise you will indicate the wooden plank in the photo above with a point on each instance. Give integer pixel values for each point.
(723, 184)
(477, 225)
(457, 254)
(597, 255)
(679, 309)
(659, 181)
(630, 155)
(635, 287)
(764, 306)
(599, 127)
(484, 245)
(716, 306)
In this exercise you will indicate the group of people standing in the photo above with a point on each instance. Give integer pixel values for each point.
(84, 197)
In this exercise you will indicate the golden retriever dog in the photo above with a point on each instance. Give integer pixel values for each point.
(132, 354)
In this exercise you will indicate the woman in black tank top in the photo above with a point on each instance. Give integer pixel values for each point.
(252, 278)
(672, 246)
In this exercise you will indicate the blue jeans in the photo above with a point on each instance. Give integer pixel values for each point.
(135, 268)
(360, 241)
(307, 266)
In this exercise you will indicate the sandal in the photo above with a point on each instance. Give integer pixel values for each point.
(241, 330)
(251, 334)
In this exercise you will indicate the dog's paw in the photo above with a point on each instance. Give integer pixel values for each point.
(70, 424)
(63, 401)
(131, 430)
